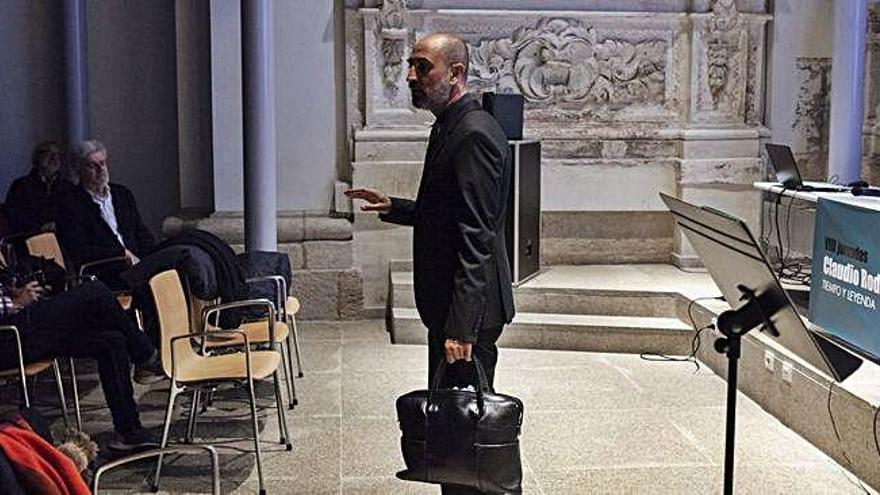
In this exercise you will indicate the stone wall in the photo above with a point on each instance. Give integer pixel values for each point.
(871, 146)
(627, 103)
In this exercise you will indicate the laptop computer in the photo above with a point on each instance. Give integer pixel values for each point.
(787, 173)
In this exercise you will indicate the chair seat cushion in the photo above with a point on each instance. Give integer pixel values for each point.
(292, 305)
(228, 367)
(30, 369)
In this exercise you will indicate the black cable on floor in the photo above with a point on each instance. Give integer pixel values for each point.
(695, 341)
(837, 436)
(874, 425)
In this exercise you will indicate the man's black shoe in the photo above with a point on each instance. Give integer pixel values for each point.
(135, 441)
(149, 372)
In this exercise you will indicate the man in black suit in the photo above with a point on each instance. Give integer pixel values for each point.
(462, 277)
(30, 201)
(100, 219)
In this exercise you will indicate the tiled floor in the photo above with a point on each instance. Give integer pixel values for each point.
(594, 423)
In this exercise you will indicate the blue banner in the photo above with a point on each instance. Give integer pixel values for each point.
(845, 279)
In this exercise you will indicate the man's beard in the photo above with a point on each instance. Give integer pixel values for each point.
(429, 98)
(100, 183)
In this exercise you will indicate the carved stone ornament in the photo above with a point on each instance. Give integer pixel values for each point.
(722, 42)
(563, 61)
(392, 21)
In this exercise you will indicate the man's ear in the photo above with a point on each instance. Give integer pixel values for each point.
(457, 72)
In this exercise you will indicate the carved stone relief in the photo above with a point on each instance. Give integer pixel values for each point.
(812, 115)
(563, 62)
(722, 44)
(392, 21)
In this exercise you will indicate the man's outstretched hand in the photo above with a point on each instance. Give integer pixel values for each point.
(376, 200)
(456, 350)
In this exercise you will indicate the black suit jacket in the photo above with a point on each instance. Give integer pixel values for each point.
(461, 272)
(31, 203)
(84, 234)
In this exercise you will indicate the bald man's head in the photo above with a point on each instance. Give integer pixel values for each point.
(438, 70)
(453, 48)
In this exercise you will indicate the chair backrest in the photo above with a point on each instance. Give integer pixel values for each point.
(46, 245)
(173, 315)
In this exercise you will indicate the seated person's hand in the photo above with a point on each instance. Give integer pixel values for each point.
(27, 294)
(132, 258)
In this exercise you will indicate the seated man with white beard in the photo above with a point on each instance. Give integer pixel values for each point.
(100, 219)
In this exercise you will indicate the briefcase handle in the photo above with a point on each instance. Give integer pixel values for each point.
(482, 386)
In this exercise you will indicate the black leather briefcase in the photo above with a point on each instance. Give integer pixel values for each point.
(461, 437)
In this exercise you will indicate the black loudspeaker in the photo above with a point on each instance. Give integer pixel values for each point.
(508, 111)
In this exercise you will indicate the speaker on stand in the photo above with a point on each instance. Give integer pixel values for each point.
(523, 229)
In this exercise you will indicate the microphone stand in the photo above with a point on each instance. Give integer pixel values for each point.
(733, 324)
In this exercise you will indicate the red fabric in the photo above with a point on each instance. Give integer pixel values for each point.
(39, 467)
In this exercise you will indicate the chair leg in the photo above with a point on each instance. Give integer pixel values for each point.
(193, 411)
(61, 399)
(139, 319)
(291, 322)
(282, 415)
(24, 390)
(287, 361)
(76, 406)
(253, 401)
(172, 394)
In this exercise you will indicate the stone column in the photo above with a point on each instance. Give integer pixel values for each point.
(258, 89)
(76, 70)
(847, 90)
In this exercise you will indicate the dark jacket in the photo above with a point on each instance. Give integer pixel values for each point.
(84, 234)
(461, 271)
(31, 203)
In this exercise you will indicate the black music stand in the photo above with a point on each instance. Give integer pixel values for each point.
(740, 269)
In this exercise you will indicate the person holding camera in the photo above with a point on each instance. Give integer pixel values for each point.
(83, 322)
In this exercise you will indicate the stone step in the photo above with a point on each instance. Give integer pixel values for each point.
(575, 332)
(574, 301)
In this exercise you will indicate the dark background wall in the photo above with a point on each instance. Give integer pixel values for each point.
(31, 83)
(132, 92)
(133, 98)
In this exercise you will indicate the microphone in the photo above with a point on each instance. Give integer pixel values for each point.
(865, 191)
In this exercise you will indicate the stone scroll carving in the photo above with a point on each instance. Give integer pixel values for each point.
(722, 41)
(722, 59)
(563, 61)
(392, 21)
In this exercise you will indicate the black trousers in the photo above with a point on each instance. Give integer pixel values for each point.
(463, 373)
(85, 322)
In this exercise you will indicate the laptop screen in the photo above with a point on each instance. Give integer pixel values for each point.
(783, 163)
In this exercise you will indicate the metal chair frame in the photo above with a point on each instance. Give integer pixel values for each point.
(177, 388)
(22, 376)
(194, 449)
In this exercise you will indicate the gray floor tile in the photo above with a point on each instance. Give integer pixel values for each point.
(632, 480)
(386, 485)
(357, 357)
(597, 386)
(595, 423)
(759, 440)
(604, 439)
(309, 330)
(319, 394)
(321, 356)
(372, 447)
(373, 393)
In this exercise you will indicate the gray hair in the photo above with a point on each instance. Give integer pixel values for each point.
(86, 148)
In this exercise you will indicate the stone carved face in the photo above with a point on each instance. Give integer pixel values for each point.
(429, 77)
